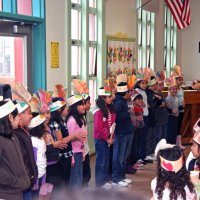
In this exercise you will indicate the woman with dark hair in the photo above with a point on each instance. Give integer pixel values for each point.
(13, 177)
(104, 118)
(172, 181)
(76, 123)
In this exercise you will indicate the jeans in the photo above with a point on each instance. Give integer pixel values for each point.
(86, 170)
(121, 150)
(27, 195)
(143, 138)
(76, 176)
(172, 128)
(102, 162)
(160, 132)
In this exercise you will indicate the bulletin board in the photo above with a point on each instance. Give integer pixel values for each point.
(121, 55)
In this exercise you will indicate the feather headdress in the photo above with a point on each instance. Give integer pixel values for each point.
(42, 100)
(121, 78)
(160, 75)
(131, 81)
(60, 92)
(80, 90)
(144, 74)
(79, 87)
(177, 71)
(170, 81)
(22, 93)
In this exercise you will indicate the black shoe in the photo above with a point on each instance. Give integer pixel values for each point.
(130, 170)
(147, 161)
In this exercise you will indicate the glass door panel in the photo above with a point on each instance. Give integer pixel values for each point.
(12, 62)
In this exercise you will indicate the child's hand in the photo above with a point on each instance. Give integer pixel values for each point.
(60, 144)
(157, 96)
(174, 111)
(110, 141)
(81, 136)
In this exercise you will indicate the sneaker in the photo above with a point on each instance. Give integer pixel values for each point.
(137, 166)
(126, 180)
(140, 164)
(121, 184)
(147, 161)
(150, 157)
(141, 161)
(107, 186)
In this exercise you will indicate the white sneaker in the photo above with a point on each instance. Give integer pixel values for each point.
(126, 180)
(149, 158)
(121, 184)
(107, 186)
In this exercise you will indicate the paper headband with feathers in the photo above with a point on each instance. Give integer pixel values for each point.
(107, 89)
(121, 78)
(160, 75)
(42, 100)
(22, 93)
(111, 82)
(144, 74)
(60, 92)
(131, 81)
(196, 137)
(168, 165)
(170, 81)
(177, 71)
(79, 87)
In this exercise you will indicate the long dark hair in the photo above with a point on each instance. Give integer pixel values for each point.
(80, 119)
(100, 102)
(175, 181)
(39, 130)
(6, 129)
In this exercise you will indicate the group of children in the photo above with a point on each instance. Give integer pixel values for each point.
(49, 134)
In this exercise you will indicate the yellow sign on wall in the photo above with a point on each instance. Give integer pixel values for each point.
(54, 55)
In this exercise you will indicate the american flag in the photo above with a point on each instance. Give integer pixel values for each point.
(180, 10)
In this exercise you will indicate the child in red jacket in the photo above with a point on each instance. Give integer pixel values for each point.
(104, 117)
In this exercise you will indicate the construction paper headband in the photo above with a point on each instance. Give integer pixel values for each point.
(160, 76)
(43, 100)
(36, 121)
(177, 72)
(56, 105)
(21, 106)
(196, 127)
(196, 137)
(134, 95)
(121, 78)
(170, 82)
(122, 88)
(103, 92)
(74, 99)
(131, 81)
(7, 108)
(79, 87)
(59, 91)
(171, 166)
(152, 81)
(144, 74)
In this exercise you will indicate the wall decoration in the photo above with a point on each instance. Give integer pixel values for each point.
(121, 54)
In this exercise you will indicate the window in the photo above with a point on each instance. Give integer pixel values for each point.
(170, 41)
(146, 29)
(84, 40)
(12, 60)
(24, 7)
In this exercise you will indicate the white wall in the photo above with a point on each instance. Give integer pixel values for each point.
(56, 32)
(120, 17)
(190, 56)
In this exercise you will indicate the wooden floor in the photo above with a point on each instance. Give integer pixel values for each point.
(141, 180)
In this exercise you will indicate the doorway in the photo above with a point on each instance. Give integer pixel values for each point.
(16, 60)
